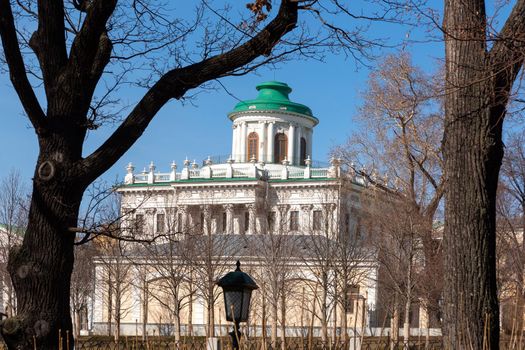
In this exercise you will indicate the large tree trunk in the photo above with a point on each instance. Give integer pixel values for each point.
(41, 268)
(473, 153)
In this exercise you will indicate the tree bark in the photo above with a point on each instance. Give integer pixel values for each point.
(473, 153)
(478, 86)
(41, 268)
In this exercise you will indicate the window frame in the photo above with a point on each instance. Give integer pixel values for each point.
(252, 146)
(280, 147)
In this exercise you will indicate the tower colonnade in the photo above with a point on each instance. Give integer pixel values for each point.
(271, 128)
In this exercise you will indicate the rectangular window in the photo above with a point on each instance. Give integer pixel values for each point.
(160, 223)
(294, 220)
(246, 221)
(224, 219)
(347, 223)
(271, 221)
(352, 295)
(138, 224)
(202, 221)
(318, 220)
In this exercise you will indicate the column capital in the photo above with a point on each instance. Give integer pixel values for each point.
(307, 207)
(283, 207)
(206, 209)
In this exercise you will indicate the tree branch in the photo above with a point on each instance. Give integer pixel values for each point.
(175, 83)
(507, 54)
(17, 69)
(91, 43)
(49, 43)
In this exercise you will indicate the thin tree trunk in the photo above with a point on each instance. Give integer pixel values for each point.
(274, 321)
(145, 308)
(394, 322)
(324, 317)
(283, 320)
(263, 319)
(406, 325)
(211, 312)
(110, 305)
(77, 323)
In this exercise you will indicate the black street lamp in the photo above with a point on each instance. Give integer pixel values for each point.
(237, 288)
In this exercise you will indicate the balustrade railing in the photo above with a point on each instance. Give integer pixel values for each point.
(270, 171)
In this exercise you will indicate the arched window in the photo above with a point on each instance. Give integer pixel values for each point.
(302, 156)
(280, 148)
(253, 146)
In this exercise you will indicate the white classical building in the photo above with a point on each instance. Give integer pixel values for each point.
(265, 196)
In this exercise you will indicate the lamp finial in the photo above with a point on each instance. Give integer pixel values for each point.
(238, 266)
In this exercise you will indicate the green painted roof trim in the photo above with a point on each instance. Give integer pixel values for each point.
(273, 96)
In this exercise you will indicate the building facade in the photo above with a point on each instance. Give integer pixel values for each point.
(293, 225)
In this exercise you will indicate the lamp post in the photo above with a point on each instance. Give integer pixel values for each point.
(237, 288)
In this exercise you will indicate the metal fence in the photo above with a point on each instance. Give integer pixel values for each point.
(199, 343)
(372, 343)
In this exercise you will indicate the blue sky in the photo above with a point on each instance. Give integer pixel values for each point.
(332, 89)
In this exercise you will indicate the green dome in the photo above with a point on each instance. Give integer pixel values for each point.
(273, 96)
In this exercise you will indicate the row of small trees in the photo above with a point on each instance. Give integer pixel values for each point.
(323, 267)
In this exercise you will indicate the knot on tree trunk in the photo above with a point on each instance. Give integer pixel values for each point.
(13, 332)
(46, 170)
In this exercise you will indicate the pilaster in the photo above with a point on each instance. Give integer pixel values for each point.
(291, 144)
(270, 138)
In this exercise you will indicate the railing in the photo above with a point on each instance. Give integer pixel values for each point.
(237, 170)
(319, 172)
(162, 177)
(195, 173)
(199, 343)
(141, 178)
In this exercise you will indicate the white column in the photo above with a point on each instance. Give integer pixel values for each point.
(270, 137)
(244, 134)
(291, 144)
(252, 214)
(229, 218)
(206, 211)
(309, 141)
(298, 148)
(184, 217)
(262, 141)
(234, 140)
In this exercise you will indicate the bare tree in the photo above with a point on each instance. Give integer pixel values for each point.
(82, 285)
(320, 263)
(404, 123)
(74, 45)
(511, 225)
(173, 270)
(207, 256)
(352, 257)
(396, 232)
(115, 282)
(13, 221)
(275, 251)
